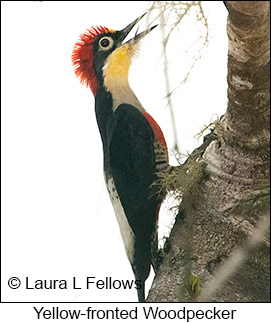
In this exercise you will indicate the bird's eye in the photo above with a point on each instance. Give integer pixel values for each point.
(106, 43)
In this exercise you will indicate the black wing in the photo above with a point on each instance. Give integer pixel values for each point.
(132, 165)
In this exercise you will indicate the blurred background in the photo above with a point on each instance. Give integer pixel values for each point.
(57, 219)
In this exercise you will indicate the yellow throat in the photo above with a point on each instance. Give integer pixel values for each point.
(115, 72)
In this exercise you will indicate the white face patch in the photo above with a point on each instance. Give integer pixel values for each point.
(126, 231)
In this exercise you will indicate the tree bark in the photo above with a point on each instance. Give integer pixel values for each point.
(218, 249)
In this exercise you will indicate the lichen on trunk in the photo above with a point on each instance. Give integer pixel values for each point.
(221, 233)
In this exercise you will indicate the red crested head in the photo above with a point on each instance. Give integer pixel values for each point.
(83, 56)
(101, 56)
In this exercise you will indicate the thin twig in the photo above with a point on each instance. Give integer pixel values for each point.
(169, 102)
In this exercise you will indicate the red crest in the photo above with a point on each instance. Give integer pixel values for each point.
(82, 57)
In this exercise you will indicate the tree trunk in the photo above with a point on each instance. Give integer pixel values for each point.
(218, 249)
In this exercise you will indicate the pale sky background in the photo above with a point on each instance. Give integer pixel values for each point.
(57, 219)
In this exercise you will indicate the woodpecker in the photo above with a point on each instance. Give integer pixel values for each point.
(135, 150)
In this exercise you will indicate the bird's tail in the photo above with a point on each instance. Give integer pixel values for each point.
(141, 293)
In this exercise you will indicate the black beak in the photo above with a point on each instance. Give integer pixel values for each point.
(124, 32)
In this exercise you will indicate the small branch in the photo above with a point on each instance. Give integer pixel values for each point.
(170, 106)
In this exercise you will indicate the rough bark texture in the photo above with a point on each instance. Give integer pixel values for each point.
(215, 232)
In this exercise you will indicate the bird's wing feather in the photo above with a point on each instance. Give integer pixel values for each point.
(132, 164)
